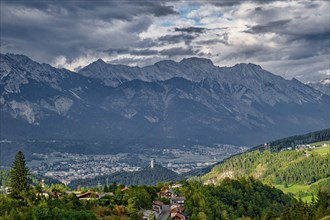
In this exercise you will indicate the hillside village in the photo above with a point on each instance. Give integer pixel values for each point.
(170, 204)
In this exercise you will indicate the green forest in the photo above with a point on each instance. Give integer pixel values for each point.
(290, 170)
(248, 198)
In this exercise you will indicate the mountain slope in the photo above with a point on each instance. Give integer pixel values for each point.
(169, 103)
(322, 86)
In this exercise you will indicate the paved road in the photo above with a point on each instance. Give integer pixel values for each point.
(166, 209)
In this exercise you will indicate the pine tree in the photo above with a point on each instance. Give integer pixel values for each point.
(19, 176)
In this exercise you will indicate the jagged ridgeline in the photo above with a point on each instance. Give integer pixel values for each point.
(168, 103)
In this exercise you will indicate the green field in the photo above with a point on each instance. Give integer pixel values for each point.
(322, 148)
(305, 192)
(299, 191)
(321, 144)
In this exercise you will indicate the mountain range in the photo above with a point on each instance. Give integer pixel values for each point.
(322, 85)
(165, 104)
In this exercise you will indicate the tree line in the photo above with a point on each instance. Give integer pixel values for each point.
(243, 198)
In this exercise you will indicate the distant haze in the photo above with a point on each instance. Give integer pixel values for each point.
(288, 38)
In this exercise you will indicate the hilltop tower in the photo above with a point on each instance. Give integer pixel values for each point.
(266, 146)
(43, 184)
(152, 163)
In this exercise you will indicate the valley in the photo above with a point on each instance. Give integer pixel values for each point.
(67, 167)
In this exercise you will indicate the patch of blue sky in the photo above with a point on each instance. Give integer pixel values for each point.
(167, 24)
(185, 10)
(217, 14)
(197, 21)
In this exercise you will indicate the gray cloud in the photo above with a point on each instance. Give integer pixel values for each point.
(177, 38)
(47, 29)
(317, 36)
(229, 3)
(272, 26)
(102, 10)
(136, 52)
(190, 30)
(212, 42)
(178, 51)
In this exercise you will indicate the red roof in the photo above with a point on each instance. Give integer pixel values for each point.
(178, 215)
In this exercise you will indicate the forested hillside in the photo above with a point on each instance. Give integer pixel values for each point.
(233, 199)
(286, 170)
(317, 136)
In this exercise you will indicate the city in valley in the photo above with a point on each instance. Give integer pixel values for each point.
(67, 167)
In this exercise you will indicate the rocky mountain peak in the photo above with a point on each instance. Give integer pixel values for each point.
(196, 61)
(188, 102)
(248, 67)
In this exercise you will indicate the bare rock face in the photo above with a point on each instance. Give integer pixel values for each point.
(168, 103)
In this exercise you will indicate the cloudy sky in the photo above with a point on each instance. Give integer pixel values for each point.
(289, 38)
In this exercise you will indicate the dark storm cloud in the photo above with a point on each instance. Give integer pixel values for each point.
(272, 26)
(136, 52)
(177, 38)
(212, 42)
(246, 52)
(190, 30)
(144, 52)
(177, 51)
(228, 3)
(317, 36)
(47, 29)
(104, 10)
(113, 51)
